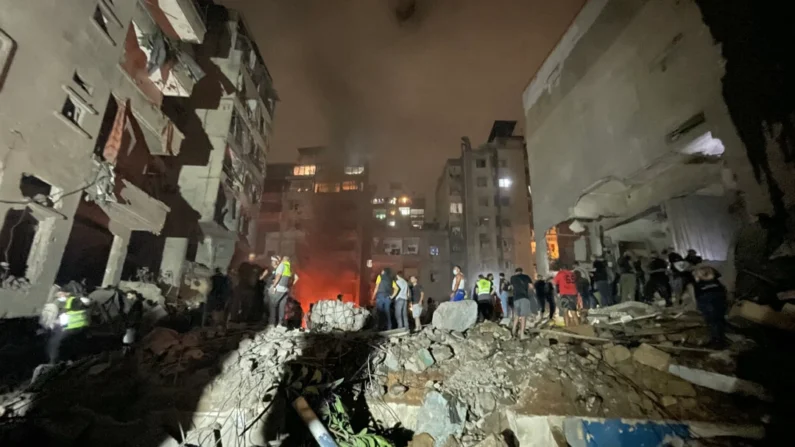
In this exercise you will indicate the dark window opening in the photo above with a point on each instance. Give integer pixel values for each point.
(16, 241)
(81, 83)
(36, 189)
(100, 19)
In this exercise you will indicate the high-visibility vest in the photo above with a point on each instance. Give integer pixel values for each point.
(286, 274)
(484, 286)
(74, 318)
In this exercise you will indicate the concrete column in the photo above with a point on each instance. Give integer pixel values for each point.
(174, 251)
(117, 256)
(595, 236)
(542, 260)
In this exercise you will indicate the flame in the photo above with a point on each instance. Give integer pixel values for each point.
(315, 285)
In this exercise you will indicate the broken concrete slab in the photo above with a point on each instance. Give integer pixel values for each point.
(764, 315)
(615, 354)
(160, 340)
(441, 353)
(719, 382)
(441, 416)
(651, 356)
(456, 316)
(583, 329)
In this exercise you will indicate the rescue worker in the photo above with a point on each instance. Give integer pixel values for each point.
(484, 290)
(73, 318)
(283, 280)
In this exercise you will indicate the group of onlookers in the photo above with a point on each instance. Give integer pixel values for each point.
(395, 297)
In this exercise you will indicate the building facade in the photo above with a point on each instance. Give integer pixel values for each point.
(319, 214)
(628, 134)
(483, 201)
(105, 145)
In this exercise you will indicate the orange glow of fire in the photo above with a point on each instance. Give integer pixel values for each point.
(314, 285)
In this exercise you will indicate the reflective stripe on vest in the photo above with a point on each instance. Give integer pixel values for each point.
(286, 274)
(75, 319)
(484, 286)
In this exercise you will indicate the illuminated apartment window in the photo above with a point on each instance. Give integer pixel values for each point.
(404, 200)
(379, 214)
(457, 208)
(350, 185)
(327, 187)
(417, 224)
(483, 221)
(392, 212)
(404, 210)
(418, 213)
(304, 170)
(391, 223)
(378, 200)
(434, 250)
(505, 183)
(354, 170)
(393, 201)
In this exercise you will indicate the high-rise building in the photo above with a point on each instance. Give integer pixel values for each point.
(317, 211)
(118, 115)
(483, 202)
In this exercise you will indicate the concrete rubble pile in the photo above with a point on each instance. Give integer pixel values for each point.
(333, 315)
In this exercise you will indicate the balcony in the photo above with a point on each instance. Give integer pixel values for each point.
(179, 19)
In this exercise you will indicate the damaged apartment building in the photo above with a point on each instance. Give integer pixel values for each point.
(629, 136)
(115, 121)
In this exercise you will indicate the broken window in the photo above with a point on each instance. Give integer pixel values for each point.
(16, 241)
(72, 111)
(101, 19)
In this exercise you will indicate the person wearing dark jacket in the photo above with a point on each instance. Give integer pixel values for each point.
(658, 280)
(710, 296)
(544, 295)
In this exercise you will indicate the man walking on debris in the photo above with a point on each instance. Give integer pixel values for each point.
(658, 280)
(484, 290)
(384, 292)
(544, 295)
(521, 285)
(566, 283)
(505, 288)
(402, 302)
(417, 301)
(73, 319)
(459, 285)
(283, 280)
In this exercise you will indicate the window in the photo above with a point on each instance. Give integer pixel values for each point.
(378, 201)
(484, 238)
(301, 186)
(456, 208)
(505, 222)
(391, 223)
(503, 163)
(505, 183)
(483, 201)
(505, 201)
(483, 221)
(418, 213)
(434, 250)
(73, 111)
(455, 247)
(393, 201)
(350, 185)
(480, 163)
(379, 213)
(482, 182)
(354, 170)
(456, 230)
(507, 245)
(304, 170)
(404, 210)
(327, 187)
(81, 83)
(417, 224)
(293, 205)
(101, 19)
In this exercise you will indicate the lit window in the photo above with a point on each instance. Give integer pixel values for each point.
(505, 183)
(391, 223)
(354, 170)
(404, 199)
(378, 201)
(418, 212)
(483, 221)
(457, 208)
(304, 170)
(369, 263)
(434, 250)
(327, 187)
(379, 214)
(392, 201)
(392, 212)
(417, 224)
(350, 185)
(404, 210)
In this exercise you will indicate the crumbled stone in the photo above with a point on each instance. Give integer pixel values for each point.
(615, 354)
(441, 416)
(456, 316)
(441, 353)
(651, 356)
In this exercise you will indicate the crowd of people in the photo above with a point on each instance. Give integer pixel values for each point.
(395, 297)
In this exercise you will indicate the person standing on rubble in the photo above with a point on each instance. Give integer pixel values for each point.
(402, 302)
(544, 295)
(459, 285)
(601, 281)
(73, 319)
(217, 300)
(484, 290)
(522, 307)
(566, 283)
(627, 281)
(417, 301)
(710, 296)
(505, 289)
(283, 280)
(384, 292)
(658, 280)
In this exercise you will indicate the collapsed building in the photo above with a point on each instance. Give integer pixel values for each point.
(633, 133)
(144, 138)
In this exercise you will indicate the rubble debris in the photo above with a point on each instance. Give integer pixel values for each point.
(786, 295)
(492, 441)
(614, 354)
(421, 440)
(333, 315)
(764, 315)
(650, 356)
(441, 416)
(719, 382)
(456, 316)
(622, 313)
(149, 291)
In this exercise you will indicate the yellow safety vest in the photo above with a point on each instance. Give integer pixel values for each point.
(287, 274)
(484, 286)
(75, 319)
(287, 270)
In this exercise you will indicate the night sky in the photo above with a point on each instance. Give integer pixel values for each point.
(352, 76)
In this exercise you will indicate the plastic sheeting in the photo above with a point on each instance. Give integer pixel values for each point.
(701, 223)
